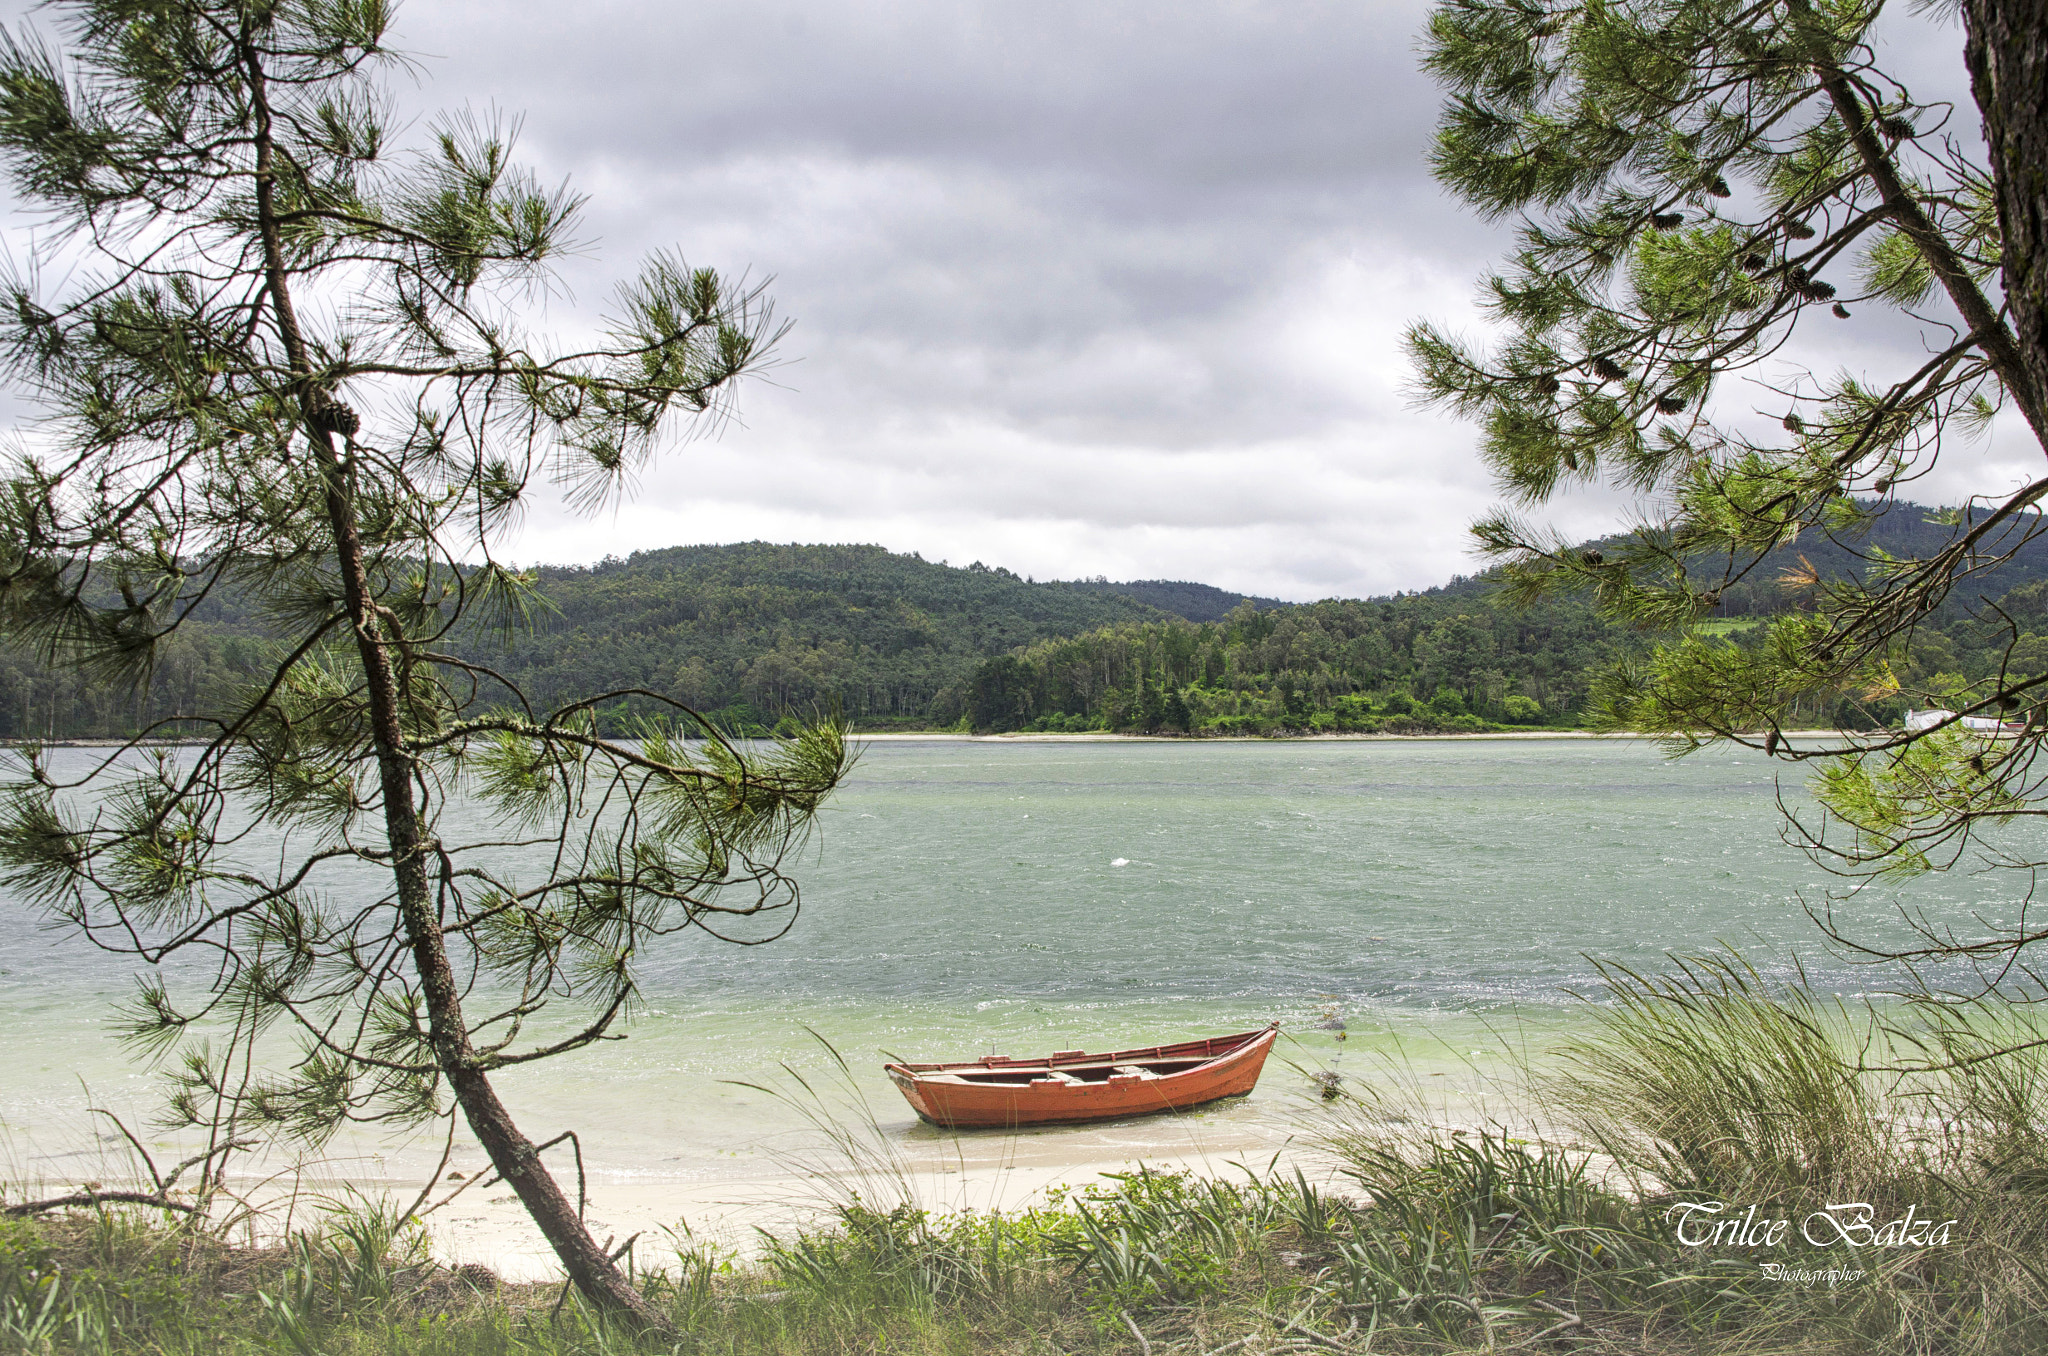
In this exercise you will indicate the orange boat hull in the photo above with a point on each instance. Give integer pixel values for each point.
(998, 1093)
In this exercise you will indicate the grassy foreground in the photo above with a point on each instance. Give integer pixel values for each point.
(1700, 1089)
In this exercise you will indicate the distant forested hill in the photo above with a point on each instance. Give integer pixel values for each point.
(1190, 602)
(756, 630)
(1457, 658)
(749, 631)
(753, 632)
(1905, 531)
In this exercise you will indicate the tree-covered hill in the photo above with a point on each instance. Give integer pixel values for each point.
(754, 631)
(1441, 660)
(1459, 658)
(1190, 602)
(2014, 553)
(1901, 530)
(748, 631)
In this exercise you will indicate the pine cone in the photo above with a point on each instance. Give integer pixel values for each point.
(1670, 404)
(1667, 221)
(1608, 370)
(1717, 187)
(328, 415)
(1547, 384)
(1798, 230)
(1841, 311)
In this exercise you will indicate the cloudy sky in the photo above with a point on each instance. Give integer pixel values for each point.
(1103, 287)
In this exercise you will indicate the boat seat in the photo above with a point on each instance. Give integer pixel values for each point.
(1058, 1076)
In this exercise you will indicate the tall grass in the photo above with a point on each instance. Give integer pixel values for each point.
(1707, 1080)
(1706, 1083)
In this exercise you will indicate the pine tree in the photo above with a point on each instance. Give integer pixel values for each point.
(1697, 181)
(289, 364)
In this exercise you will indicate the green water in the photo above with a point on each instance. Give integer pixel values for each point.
(971, 897)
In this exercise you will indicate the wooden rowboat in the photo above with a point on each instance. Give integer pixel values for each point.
(997, 1092)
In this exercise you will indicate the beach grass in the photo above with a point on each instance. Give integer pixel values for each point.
(1703, 1107)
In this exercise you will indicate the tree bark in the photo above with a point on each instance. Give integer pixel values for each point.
(511, 1153)
(2007, 53)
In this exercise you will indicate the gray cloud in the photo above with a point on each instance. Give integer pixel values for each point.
(1079, 287)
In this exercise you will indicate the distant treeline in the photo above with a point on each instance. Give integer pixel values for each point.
(1427, 662)
(1459, 659)
(748, 633)
(1424, 664)
(754, 633)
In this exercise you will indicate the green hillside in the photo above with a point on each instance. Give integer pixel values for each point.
(1427, 662)
(753, 632)
(748, 631)
(1457, 658)
(1190, 602)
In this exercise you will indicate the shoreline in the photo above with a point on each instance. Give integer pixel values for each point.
(1052, 737)
(791, 1186)
(1109, 737)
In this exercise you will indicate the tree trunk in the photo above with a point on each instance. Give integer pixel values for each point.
(512, 1154)
(2007, 52)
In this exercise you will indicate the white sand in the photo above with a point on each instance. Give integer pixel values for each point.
(788, 1185)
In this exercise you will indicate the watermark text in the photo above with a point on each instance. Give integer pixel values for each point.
(1715, 1224)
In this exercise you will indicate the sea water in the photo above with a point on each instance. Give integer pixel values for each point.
(1420, 897)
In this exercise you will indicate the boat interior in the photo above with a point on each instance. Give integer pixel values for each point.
(1083, 1073)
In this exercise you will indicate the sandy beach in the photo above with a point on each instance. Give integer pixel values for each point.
(473, 1218)
(950, 1173)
